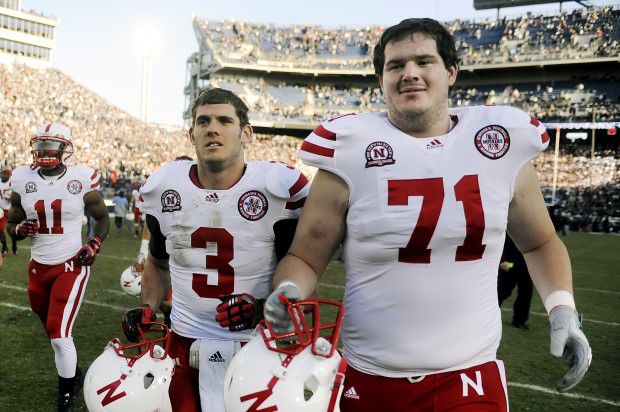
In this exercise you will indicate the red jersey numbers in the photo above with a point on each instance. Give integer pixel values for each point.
(432, 192)
(56, 207)
(205, 237)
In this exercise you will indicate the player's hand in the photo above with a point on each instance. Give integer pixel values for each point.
(276, 312)
(239, 312)
(86, 255)
(504, 266)
(569, 342)
(137, 318)
(140, 259)
(27, 228)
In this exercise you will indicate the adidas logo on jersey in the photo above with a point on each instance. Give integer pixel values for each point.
(434, 144)
(212, 197)
(351, 393)
(217, 357)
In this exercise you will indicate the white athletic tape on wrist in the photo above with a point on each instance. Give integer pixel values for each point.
(558, 298)
(144, 247)
(288, 282)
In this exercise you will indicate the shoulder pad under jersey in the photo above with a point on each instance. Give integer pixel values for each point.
(286, 182)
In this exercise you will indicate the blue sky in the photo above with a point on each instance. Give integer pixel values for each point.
(95, 39)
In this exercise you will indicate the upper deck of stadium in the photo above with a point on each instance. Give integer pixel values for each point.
(579, 36)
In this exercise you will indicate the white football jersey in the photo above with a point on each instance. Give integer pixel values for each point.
(425, 231)
(58, 203)
(5, 195)
(220, 242)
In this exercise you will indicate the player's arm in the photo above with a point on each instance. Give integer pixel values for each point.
(156, 272)
(532, 231)
(18, 225)
(95, 206)
(155, 283)
(320, 230)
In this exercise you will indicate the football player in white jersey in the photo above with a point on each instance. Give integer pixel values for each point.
(421, 196)
(218, 226)
(5, 205)
(47, 204)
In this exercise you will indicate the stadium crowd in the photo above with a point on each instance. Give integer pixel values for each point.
(561, 102)
(582, 33)
(122, 147)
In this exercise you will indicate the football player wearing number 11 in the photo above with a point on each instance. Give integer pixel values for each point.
(47, 204)
(421, 196)
(218, 227)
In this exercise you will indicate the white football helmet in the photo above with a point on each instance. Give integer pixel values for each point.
(131, 280)
(304, 375)
(51, 145)
(119, 382)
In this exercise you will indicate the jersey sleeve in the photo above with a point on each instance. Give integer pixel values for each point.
(290, 185)
(18, 180)
(91, 179)
(528, 137)
(320, 148)
(150, 196)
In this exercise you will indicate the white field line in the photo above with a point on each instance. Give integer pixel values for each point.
(12, 306)
(566, 395)
(585, 319)
(597, 290)
(87, 301)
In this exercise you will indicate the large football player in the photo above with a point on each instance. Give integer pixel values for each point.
(421, 196)
(47, 205)
(5, 205)
(218, 226)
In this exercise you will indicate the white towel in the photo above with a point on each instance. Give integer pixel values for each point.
(215, 356)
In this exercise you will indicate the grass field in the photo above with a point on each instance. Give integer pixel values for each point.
(29, 375)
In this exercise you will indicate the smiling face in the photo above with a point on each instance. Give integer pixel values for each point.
(218, 136)
(414, 80)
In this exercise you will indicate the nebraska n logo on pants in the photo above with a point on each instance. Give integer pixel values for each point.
(56, 293)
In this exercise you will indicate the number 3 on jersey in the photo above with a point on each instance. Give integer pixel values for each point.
(225, 254)
(467, 190)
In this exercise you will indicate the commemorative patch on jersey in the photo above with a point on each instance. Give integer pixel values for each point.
(379, 154)
(253, 205)
(31, 187)
(492, 141)
(170, 201)
(74, 187)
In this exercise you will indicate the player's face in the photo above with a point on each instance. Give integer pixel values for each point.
(218, 137)
(415, 79)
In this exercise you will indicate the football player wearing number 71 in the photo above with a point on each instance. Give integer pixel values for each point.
(421, 196)
(218, 227)
(47, 204)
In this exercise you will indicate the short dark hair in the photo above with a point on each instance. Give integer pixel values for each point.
(432, 28)
(215, 95)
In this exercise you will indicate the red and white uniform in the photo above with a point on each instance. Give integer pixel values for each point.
(5, 203)
(220, 242)
(425, 231)
(56, 285)
(58, 204)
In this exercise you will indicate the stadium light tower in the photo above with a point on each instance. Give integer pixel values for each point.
(148, 42)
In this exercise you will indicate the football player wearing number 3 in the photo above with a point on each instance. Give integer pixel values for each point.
(421, 196)
(47, 205)
(218, 227)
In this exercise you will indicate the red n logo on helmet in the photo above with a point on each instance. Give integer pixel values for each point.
(260, 398)
(111, 388)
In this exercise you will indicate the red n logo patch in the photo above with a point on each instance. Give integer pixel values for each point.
(111, 388)
(260, 398)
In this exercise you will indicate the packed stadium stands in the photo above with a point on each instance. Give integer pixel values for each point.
(578, 34)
